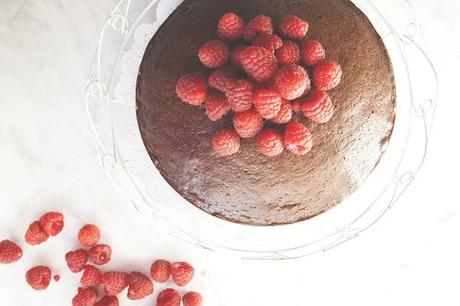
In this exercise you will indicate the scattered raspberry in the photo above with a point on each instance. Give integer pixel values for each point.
(218, 79)
(182, 273)
(192, 299)
(139, 286)
(52, 223)
(327, 75)
(236, 55)
(297, 138)
(91, 277)
(100, 254)
(89, 235)
(108, 300)
(191, 88)
(247, 124)
(114, 282)
(267, 102)
(318, 107)
(9, 252)
(216, 106)
(39, 277)
(214, 54)
(292, 27)
(168, 297)
(270, 42)
(289, 53)
(285, 113)
(270, 142)
(249, 34)
(160, 270)
(259, 63)
(312, 52)
(76, 260)
(225, 142)
(35, 234)
(85, 297)
(261, 24)
(291, 81)
(240, 94)
(56, 277)
(296, 105)
(230, 27)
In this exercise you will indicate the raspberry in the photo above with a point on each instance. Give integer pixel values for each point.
(191, 88)
(240, 95)
(259, 63)
(249, 34)
(327, 75)
(291, 81)
(218, 79)
(85, 297)
(270, 142)
(114, 282)
(297, 138)
(160, 270)
(182, 273)
(292, 27)
(35, 234)
(262, 24)
(140, 286)
(285, 113)
(100, 254)
(312, 52)
(52, 223)
(248, 124)
(214, 54)
(318, 107)
(192, 299)
(39, 277)
(296, 105)
(9, 252)
(89, 235)
(168, 297)
(76, 260)
(230, 27)
(108, 300)
(267, 102)
(268, 41)
(216, 106)
(91, 276)
(236, 55)
(289, 53)
(225, 142)
(56, 277)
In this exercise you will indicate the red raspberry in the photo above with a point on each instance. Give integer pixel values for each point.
(214, 54)
(270, 42)
(76, 260)
(318, 107)
(225, 142)
(327, 75)
(262, 24)
(218, 79)
(297, 105)
(100, 254)
(230, 27)
(89, 235)
(91, 277)
(139, 286)
(160, 270)
(267, 102)
(270, 142)
(249, 34)
(259, 63)
(236, 55)
(182, 273)
(292, 27)
(114, 282)
(108, 300)
(35, 234)
(39, 277)
(192, 299)
(168, 297)
(312, 52)
(85, 297)
(240, 95)
(52, 223)
(285, 113)
(297, 138)
(289, 53)
(248, 124)
(191, 88)
(291, 81)
(9, 252)
(56, 277)
(216, 106)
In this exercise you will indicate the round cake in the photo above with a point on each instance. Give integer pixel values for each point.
(249, 187)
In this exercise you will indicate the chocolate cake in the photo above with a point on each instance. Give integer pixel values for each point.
(248, 187)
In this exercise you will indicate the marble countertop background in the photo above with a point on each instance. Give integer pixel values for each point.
(48, 162)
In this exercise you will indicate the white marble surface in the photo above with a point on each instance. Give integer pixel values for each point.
(47, 161)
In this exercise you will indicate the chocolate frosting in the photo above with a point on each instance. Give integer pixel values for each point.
(248, 187)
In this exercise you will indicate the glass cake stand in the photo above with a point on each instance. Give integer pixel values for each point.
(111, 109)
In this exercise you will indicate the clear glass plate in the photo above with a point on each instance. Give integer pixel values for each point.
(110, 104)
